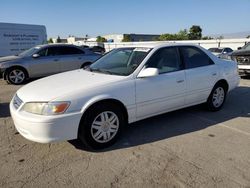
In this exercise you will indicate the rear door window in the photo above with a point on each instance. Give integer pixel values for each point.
(194, 57)
(66, 50)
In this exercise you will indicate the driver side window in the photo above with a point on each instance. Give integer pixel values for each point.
(43, 52)
(165, 60)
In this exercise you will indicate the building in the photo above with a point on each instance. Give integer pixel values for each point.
(72, 40)
(133, 37)
(63, 40)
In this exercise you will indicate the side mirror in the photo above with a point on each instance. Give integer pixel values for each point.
(239, 48)
(148, 72)
(35, 55)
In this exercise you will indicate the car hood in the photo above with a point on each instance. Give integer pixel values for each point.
(8, 58)
(52, 87)
(241, 52)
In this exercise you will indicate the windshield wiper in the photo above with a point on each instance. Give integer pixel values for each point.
(101, 71)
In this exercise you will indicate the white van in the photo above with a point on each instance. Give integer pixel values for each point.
(15, 38)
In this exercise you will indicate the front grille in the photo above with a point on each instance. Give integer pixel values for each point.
(243, 60)
(17, 102)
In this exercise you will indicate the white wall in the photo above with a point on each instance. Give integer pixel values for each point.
(232, 43)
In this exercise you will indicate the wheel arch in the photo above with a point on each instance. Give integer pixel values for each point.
(104, 99)
(223, 82)
(15, 66)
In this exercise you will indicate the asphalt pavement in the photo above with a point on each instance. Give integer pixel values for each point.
(186, 148)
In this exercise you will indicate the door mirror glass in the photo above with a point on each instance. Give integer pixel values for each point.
(35, 55)
(148, 72)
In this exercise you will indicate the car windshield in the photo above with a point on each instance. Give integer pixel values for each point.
(121, 61)
(29, 52)
(215, 50)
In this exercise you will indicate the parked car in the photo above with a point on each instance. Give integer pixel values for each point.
(221, 52)
(124, 86)
(44, 60)
(97, 49)
(242, 57)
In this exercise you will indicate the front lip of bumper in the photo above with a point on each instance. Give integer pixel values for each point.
(45, 129)
(244, 72)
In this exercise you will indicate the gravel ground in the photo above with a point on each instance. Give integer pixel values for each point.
(186, 148)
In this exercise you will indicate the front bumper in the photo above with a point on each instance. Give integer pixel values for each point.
(45, 129)
(244, 69)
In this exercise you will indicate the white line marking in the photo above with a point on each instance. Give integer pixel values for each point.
(220, 124)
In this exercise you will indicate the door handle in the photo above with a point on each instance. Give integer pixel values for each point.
(56, 59)
(179, 81)
(214, 74)
(79, 58)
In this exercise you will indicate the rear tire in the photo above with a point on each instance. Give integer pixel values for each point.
(217, 97)
(101, 125)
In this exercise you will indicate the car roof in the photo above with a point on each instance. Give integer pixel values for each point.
(221, 48)
(157, 45)
(57, 44)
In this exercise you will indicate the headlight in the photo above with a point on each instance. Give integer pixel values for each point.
(51, 108)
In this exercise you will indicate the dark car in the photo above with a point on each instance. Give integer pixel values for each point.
(242, 57)
(97, 49)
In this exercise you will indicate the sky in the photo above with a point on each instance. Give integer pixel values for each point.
(98, 17)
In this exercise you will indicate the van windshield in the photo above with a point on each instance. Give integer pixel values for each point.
(122, 61)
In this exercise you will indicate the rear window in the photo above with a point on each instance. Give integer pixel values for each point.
(215, 50)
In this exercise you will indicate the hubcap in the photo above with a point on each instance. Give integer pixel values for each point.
(104, 127)
(218, 97)
(16, 76)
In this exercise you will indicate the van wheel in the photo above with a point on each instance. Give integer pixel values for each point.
(217, 97)
(16, 76)
(101, 126)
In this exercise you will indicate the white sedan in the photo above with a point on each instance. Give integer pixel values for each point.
(124, 86)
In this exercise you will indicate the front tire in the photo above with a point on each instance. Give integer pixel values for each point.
(16, 76)
(101, 126)
(217, 97)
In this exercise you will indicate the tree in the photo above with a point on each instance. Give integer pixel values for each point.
(126, 38)
(181, 35)
(50, 40)
(101, 39)
(220, 37)
(248, 37)
(195, 33)
(207, 38)
(58, 40)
